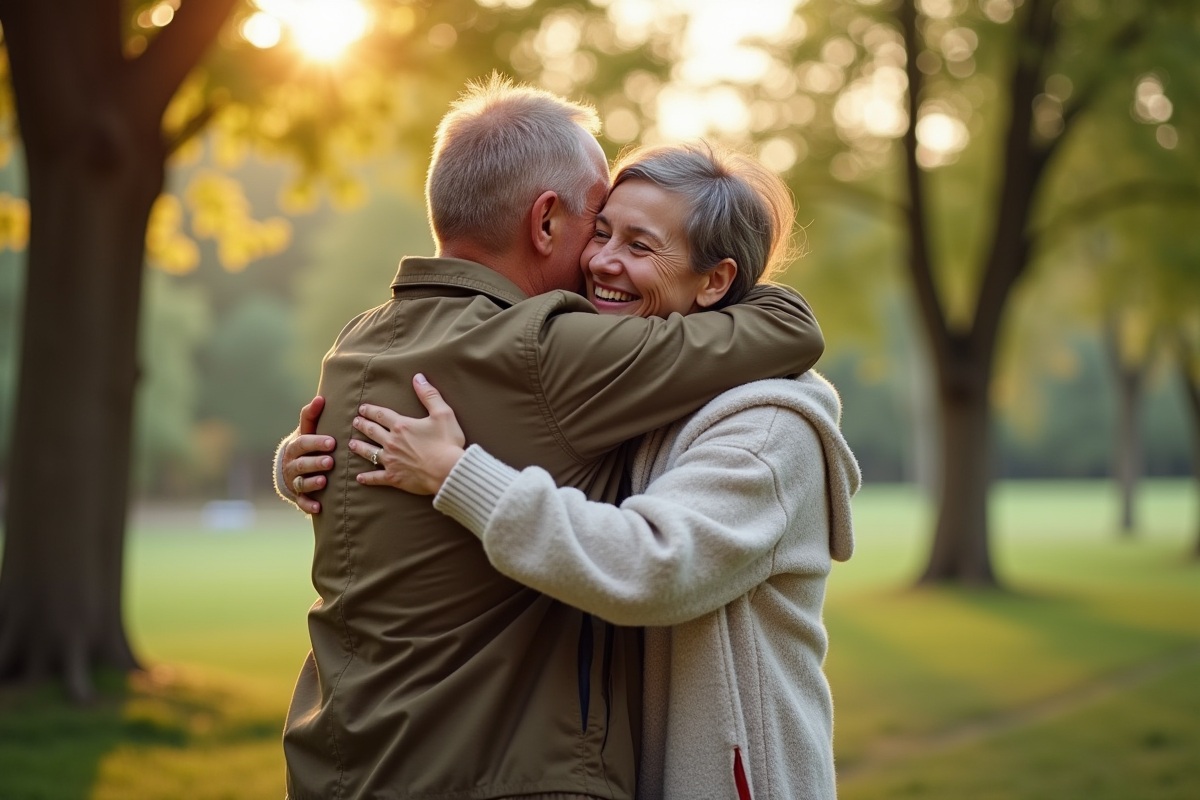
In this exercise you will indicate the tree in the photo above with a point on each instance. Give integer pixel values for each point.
(103, 96)
(970, 125)
(1189, 371)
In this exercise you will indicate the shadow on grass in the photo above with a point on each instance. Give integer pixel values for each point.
(53, 749)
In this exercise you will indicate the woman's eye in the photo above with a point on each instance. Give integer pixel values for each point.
(601, 235)
(639, 246)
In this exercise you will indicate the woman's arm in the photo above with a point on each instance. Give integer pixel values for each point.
(703, 533)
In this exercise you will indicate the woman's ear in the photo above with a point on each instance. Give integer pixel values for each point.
(543, 216)
(716, 282)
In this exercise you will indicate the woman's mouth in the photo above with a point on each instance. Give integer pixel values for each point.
(612, 295)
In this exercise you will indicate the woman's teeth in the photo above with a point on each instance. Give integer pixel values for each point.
(613, 296)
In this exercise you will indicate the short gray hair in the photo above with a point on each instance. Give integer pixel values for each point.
(498, 148)
(738, 208)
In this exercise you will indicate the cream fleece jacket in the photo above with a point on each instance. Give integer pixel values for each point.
(737, 513)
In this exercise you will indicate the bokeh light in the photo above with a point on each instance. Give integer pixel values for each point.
(262, 30)
(321, 29)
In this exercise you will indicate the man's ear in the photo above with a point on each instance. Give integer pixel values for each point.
(716, 283)
(543, 217)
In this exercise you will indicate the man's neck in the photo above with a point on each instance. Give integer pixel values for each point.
(514, 266)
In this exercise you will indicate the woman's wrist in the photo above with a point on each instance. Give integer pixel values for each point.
(443, 465)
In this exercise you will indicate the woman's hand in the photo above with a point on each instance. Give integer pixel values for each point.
(298, 463)
(415, 455)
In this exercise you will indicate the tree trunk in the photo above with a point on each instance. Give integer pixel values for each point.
(960, 546)
(1127, 454)
(91, 124)
(1191, 387)
(60, 583)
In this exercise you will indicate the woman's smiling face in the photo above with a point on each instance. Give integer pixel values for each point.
(637, 262)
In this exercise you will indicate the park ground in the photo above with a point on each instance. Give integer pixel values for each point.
(1081, 680)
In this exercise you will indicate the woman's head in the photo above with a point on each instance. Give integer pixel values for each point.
(686, 227)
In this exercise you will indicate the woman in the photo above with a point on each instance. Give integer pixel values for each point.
(736, 512)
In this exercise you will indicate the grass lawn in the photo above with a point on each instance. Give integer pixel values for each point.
(1081, 681)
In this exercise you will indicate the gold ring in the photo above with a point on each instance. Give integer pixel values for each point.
(375, 456)
(298, 484)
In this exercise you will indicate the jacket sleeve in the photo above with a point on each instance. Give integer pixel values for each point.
(607, 379)
(703, 533)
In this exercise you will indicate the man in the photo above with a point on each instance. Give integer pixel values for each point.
(431, 675)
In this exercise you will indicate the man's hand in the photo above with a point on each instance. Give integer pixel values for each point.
(299, 465)
(416, 454)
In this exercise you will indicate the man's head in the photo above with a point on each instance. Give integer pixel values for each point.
(517, 171)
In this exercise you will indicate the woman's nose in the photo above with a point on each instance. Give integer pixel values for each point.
(605, 260)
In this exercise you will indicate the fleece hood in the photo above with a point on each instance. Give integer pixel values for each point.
(815, 399)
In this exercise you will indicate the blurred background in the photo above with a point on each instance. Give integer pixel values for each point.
(998, 205)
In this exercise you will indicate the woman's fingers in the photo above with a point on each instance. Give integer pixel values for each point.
(310, 414)
(383, 416)
(377, 477)
(430, 397)
(310, 464)
(310, 483)
(300, 485)
(376, 433)
(305, 444)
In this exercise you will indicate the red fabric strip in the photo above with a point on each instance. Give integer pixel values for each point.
(739, 776)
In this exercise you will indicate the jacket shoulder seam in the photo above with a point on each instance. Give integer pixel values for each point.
(534, 367)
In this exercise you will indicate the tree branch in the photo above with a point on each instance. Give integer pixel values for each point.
(176, 50)
(919, 263)
(1008, 254)
(1115, 198)
(1120, 42)
(193, 126)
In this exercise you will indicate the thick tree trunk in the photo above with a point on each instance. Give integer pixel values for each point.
(960, 546)
(60, 583)
(91, 124)
(1127, 453)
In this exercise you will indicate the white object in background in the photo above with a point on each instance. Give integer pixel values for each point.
(228, 515)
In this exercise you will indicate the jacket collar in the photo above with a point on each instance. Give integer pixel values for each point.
(456, 272)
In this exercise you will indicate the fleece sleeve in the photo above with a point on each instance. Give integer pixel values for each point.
(703, 533)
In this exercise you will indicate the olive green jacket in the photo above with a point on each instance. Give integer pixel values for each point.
(431, 674)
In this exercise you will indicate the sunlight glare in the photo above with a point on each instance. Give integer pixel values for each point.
(322, 29)
(262, 30)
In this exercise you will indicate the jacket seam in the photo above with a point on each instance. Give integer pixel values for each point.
(457, 280)
(349, 638)
(532, 329)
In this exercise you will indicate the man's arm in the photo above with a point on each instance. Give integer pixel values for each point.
(608, 380)
(703, 533)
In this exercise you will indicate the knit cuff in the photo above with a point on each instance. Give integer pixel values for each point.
(473, 489)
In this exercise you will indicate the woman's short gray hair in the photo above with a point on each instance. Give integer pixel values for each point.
(498, 148)
(739, 209)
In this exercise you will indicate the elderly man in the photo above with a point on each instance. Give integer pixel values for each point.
(431, 675)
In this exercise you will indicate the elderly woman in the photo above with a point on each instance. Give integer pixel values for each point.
(736, 512)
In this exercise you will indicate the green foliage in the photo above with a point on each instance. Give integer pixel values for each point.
(249, 382)
(349, 267)
(176, 324)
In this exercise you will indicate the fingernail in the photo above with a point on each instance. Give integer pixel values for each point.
(362, 409)
(358, 478)
(356, 421)
(329, 443)
(326, 462)
(421, 380)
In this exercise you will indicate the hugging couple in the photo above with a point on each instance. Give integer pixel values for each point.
(615, 590)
